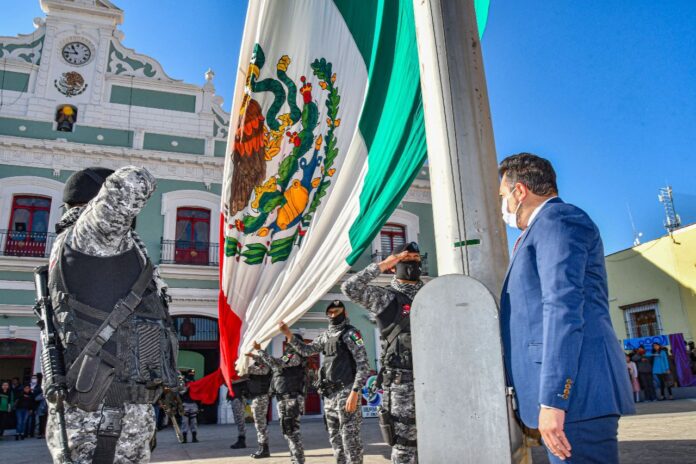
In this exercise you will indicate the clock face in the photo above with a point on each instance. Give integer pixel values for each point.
(76, 53)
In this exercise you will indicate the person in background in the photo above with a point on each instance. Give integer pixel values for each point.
(16, 387)
(645, 375)
(673, 378)
(633, 375)
(24, 406)
(189, 421)
(7, 399)
(41, 412)
(661, 369)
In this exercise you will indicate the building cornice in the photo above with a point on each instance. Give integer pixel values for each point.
(182, 271)
(20, 263)
(15, 310)
(62, 155)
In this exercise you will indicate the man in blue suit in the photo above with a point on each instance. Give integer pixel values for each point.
(561, 354)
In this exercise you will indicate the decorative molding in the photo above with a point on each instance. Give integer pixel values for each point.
(312, 317)
(15, 310)
(179, 294)
(16, 285)
(24, 47)
(20, 264)
(56, 154)
(418, 195)
(183, 271)
(171, 201)
(124, 61)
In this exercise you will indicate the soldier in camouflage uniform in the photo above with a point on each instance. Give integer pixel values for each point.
(288, 385)
(391, 306)
(238, 404)
(189, 420)
(259, 392)
(343, 374)
(98, 228)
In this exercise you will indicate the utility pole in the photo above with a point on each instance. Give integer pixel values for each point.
(672, 219)
(470, 240)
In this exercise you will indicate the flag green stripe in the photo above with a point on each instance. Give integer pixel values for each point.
(392, 123)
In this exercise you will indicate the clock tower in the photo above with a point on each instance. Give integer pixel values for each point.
(76, 46)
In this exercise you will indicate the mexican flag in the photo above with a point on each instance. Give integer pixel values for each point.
(326, 136)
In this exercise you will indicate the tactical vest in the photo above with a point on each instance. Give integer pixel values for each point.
(290, 380)
(259, 384)
(115, 299)
(395, 334)
(339, 365)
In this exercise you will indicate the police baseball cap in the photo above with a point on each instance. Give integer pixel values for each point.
(84, 185)
(335, 304)
(411, 247)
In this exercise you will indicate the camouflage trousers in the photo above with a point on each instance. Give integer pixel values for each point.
(238, 405)
(189, 421)
(259, 408)
(133, 446)
(401, 401)
(343, 428)
(289, 412)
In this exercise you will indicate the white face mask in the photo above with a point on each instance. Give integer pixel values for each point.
(510, 218)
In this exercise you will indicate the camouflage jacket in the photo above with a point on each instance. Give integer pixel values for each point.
(288, 359)
(353, 341)
(373, 297)
(103, 227)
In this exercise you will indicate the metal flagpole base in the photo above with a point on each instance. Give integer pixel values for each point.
(463, 414)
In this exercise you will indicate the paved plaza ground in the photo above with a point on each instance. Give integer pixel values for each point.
(661, 433)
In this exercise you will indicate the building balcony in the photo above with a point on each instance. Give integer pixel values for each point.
(379, 257)
(189, 253)
(26, 244)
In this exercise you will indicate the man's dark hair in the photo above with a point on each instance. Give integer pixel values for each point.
(534, 172)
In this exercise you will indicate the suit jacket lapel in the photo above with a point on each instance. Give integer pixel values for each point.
(525, 234)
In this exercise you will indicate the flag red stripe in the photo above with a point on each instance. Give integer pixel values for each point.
(230, 325)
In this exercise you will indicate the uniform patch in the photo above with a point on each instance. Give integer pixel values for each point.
(357, 338)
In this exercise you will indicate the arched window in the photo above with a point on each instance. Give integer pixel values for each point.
(391, 237)
(27, 232)
(192, 236)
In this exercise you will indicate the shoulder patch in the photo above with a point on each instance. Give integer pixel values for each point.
(356, 337)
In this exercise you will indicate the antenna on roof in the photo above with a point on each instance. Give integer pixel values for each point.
(636, 235)
(672, 219)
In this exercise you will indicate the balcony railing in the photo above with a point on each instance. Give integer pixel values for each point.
(191, 253)
(378, 257)
(27, 244)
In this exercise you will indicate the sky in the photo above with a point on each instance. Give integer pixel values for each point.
(605, 89)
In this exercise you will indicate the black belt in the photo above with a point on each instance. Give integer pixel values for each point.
(397, 376)
(108, 433)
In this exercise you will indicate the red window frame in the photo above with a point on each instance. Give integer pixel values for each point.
(27, 242)
(391, 231)
(196, 251)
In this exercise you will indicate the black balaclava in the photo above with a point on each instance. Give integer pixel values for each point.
(341, 317)
(84, 185)
(408, 270)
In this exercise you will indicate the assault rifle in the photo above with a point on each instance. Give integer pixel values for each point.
(52, 363)
(171, 404)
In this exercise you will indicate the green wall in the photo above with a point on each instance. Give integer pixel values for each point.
(163, 142)
(80, 133)
(153, 99)
(10, 80)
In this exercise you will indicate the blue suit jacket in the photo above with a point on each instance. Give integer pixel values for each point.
(559, 345)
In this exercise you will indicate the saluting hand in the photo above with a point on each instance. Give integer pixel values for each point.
(551, 428)
(391, 261)
(285, 330)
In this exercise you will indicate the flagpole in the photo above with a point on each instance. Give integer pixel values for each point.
(469, 231)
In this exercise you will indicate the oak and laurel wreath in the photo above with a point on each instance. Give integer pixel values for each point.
(280, 249)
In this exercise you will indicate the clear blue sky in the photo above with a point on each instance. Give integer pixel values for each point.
(606, 89)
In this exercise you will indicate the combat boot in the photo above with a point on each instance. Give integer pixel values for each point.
(194, 439)
(262, 452)
(241, 443)
(185, 438)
